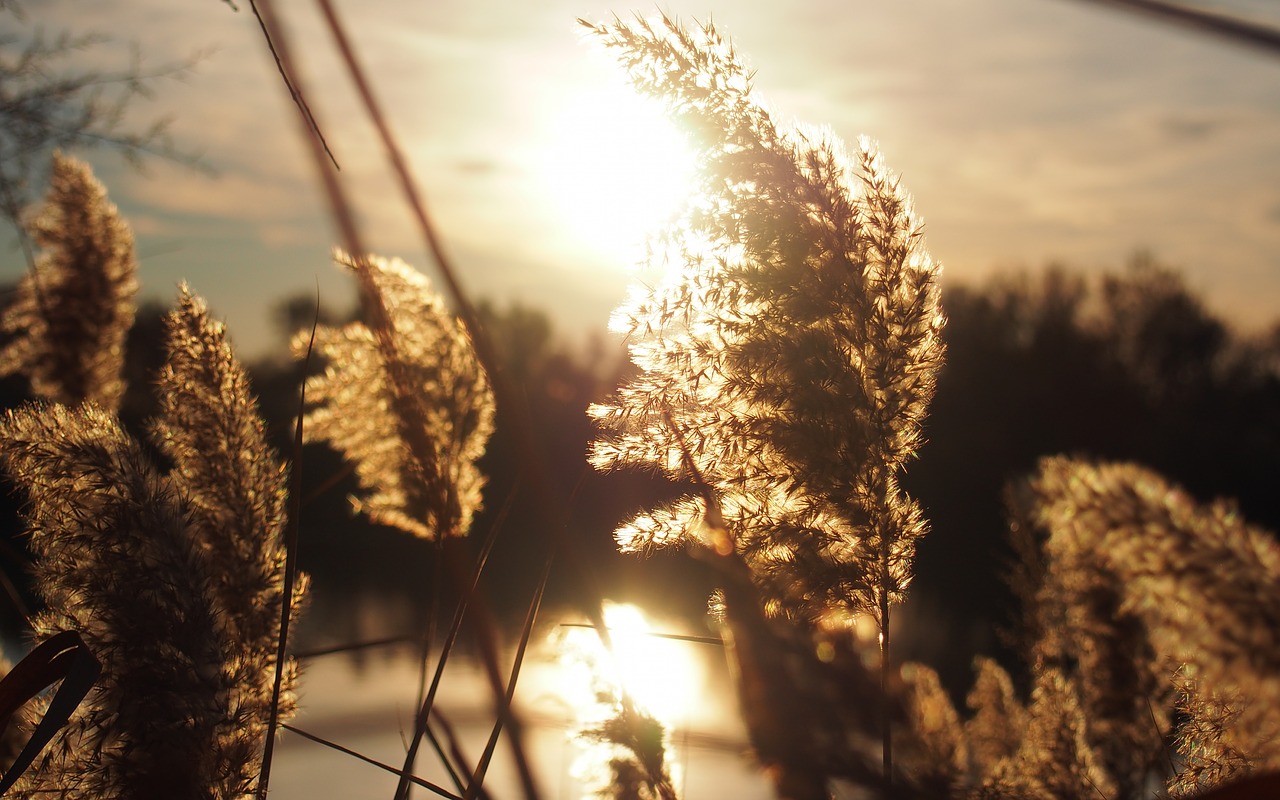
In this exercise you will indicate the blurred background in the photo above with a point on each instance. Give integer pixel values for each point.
(1102, 188)
(1029, 133)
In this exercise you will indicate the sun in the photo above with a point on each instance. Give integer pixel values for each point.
(616, 168)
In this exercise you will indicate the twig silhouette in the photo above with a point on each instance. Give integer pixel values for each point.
(427, 701)
(294, 92)
(1232, 28)
(482, 767)
(290, 571)
(414, 779)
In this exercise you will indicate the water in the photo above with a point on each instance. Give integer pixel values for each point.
(369, 706)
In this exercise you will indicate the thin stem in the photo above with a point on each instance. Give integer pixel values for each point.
(675, 637)
(1164, 751)
(353, 647)
(373, 762)
(486, 637)
(15, 598)
(19, 560)
(14, 213)
(424, 661)
(428, 699)
(1234, 28)
(454, 749)
(290, 569)
(886, 741)
(483, 766)
(294, 92)
(343, 216)
(328, 483)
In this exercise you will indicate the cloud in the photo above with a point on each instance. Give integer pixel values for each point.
(1027, 131)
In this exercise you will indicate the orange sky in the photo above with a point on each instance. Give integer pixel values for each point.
(1028, 131)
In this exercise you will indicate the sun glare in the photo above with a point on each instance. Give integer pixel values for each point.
(657, 672)
(660, 674)
(616, 169)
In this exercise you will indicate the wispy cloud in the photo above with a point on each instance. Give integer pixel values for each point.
(1028, 131)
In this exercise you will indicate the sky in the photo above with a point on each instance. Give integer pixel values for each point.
(1028, 131)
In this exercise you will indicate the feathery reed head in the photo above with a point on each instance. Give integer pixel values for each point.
(994, 731)
(406, 399)
(788, 364)
(73, 312)
(1054, 757)
(933, 752)
(174, 580)
(1182, 587)
(210, 428)
(114, 560)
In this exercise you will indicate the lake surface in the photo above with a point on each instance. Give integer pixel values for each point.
(368, 705)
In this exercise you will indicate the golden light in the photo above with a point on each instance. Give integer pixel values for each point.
(661, 675)
(616, 168)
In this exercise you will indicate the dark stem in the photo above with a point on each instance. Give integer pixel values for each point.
(886, 740)
(1228, 26)
(292, 524)
(424, 663)
(366, 759)
(426, 703)
(476, 789)
(294, 92)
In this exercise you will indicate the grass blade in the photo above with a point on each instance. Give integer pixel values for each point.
(483, 766)
(451, 638)
(429, 786)
(290, 567)
(62, 657)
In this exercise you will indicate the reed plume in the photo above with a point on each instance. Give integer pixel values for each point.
(114, 560)
(993, 732)
(171, 578)
(1191, 592)
(1122, 686)
(1209, 739)
(406, 400)
(786, 366)
(934, 751)
(210, 428)
(1054, 757)
(626, 744)
(73, 311)
(792, 357)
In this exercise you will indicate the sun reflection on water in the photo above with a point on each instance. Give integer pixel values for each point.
(660, 675)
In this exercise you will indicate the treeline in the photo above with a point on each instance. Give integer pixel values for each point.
(1128, 365)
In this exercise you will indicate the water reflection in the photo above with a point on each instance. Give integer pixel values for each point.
(367, 704)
